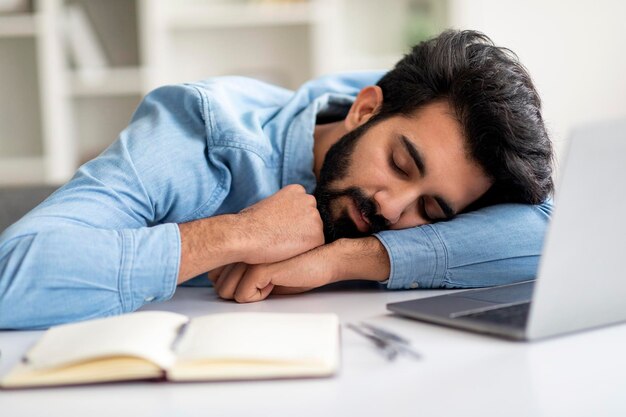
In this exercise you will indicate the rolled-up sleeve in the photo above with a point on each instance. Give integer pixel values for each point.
(107, 242)
(495, 245)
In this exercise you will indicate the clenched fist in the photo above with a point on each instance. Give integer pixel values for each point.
(281, 226)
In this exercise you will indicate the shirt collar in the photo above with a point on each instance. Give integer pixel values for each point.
(298, 160)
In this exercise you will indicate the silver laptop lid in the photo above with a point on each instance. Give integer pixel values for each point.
(582, 276)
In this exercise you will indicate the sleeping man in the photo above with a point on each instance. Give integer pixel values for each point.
(436, 174)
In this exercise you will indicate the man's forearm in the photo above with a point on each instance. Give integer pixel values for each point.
(364, 258)
(207, 244)
(495, 245)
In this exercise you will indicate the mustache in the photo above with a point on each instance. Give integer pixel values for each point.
(364, 204)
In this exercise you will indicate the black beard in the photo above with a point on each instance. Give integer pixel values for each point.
(343, 226)
(334, 168)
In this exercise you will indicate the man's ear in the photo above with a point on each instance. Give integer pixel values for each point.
(367, 104)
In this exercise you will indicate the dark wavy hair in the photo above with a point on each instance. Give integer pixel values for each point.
(494, 100)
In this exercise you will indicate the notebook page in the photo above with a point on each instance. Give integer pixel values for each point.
(148, 335)
(278, 337)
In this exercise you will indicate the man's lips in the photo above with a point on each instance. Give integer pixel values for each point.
(361, 222)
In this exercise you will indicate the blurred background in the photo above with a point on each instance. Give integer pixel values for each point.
(73, 71)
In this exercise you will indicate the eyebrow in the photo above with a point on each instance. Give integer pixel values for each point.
(416, 156)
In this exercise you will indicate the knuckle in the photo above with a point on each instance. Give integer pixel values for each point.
(241, 298)
(311, 202)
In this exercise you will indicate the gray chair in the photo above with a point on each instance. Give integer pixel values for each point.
(15, 202)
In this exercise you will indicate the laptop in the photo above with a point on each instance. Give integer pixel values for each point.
(581, 282)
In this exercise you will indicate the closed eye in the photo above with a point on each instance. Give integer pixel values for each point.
(435, 208)
(422, 211)
(396, 167)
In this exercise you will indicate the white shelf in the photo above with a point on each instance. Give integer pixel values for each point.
(200, 16)
(22, 170)
(18, 25)
(284, 42)
(121, 81)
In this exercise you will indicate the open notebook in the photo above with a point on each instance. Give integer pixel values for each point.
(163, 345)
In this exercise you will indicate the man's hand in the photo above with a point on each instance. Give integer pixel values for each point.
(247, 283)
(343, 259)
(281, 226)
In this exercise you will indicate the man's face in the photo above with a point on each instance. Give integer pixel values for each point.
(398, 173)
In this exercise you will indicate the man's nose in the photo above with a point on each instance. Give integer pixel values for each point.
(393, 205)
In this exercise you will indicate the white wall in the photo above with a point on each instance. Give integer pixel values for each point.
(574, 50)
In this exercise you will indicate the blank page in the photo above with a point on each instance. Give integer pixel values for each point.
(273, 337)
(147, 335)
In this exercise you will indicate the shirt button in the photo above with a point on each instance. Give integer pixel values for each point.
(414, 285)
(148, 299)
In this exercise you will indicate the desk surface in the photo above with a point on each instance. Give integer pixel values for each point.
(461, 374)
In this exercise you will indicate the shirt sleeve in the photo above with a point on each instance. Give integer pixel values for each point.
(107, 242)
(495, 245)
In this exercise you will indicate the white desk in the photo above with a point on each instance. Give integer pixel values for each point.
(461, 374)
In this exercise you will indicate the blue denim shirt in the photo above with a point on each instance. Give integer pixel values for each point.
(108, 242)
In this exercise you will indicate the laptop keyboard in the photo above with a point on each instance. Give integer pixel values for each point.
(515, 315)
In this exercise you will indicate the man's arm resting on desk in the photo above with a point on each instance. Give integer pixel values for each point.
(56, 269)
(252, 236)
(342, 260)
(492, 246)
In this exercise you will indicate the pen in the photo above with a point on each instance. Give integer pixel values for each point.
(385, 333)
(400, 343)
(386, 341)
(383, 345)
